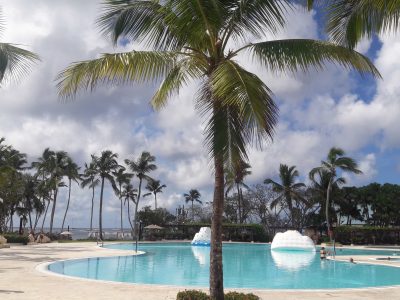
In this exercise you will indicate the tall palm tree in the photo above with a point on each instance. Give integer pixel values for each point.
(335, 160)
(200, 41)
(234, 179)
(154, 187)
(349, 21)
(71, 171)
(288, 189)
(14, 61)
(90, 179)
(141, 167)
(105, 165)
(129, 194)
(193, 196)
(121, 178)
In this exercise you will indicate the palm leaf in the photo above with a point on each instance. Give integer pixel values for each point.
(302, 54)
(119, 68)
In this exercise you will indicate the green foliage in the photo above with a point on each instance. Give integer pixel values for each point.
(367, 235)
(18, 239)
(159, 216)
(199, 295)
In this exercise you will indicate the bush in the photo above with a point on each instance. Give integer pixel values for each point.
(367, 235)
(199, 295)
(192, 295)
(18, 239)
(240, 296)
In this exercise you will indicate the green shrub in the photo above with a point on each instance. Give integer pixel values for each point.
(199, 295)
(192, 295)
(18, 239)
(240, 296)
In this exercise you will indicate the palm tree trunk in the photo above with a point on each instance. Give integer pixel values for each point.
(120, 199)
(328, 225)
(45, 214)
(91, 213)
(192, 212)
(66, 210)
(239, 204)
(137, 205)
(129, 216)
(155, 201)
(53, 210)
(101, 209)
(216, 272)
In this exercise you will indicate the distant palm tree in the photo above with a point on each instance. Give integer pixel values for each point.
(14, 61)
(104, 166)
(129, 194)
(141, 167)
(154, 187)
(71, 171)
(90, 179)
(234, 179)
(193, 196)
(335, 160)
(288, 190)
(121, 178)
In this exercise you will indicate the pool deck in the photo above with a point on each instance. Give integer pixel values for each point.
(20, 278)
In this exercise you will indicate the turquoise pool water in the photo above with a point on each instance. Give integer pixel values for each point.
(245, 266)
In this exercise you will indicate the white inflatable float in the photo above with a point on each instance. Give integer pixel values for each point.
(203, 237)
(292, 260)
(292, 240)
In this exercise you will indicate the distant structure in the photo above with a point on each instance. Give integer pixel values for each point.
(203, 237)
(292, 240)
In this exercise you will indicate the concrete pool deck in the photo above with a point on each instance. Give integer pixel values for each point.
(20, 278)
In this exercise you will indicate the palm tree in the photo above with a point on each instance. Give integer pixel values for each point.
(288, 189)
(335, 160)
(349, 21)
(104, 166)
(154, 187)
(91, 180)
(14, 61)
(71, 171)
(121, 178)
(129, 194)
(141, 167)
(192, 41)
(193, 196)
(235, 178)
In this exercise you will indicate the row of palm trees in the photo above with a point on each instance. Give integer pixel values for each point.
(192, 39)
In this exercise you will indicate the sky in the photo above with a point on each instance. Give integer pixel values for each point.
(318, 110)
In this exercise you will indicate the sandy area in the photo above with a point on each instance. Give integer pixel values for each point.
(20, 279)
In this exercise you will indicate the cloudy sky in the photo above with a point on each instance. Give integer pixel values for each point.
(317, 110)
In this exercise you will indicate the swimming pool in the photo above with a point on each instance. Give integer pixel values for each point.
(245, 266)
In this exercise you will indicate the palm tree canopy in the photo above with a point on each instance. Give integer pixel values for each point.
(89, 176)
(14, 61)
(105, 165)
(143, 165)
(193, 196)
(121, 177)
(129, 193)
(71, 170)
(190, 40)
(236, 175)
(349, 21)
(154, 187)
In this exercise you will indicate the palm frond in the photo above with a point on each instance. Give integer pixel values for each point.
(301, 55)
(112, 69)
(15, 62)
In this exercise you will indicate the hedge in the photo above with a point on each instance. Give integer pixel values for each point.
(199, 295)
(367, 235)
(18, 239)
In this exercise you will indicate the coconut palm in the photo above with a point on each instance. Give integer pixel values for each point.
(193, 196)
(154, 187)
(288, 189)
(335, 160)
(129, 194)
(105, 165)
(199, 41)
(121, 178)
(71, 171)
(14, 61)
(349, 21)
(91, 180)
(234, 179)
(141, 167)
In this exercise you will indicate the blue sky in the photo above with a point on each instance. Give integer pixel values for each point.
(318, 110)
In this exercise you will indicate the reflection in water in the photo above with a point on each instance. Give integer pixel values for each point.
(202, 254)
(292, 260)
